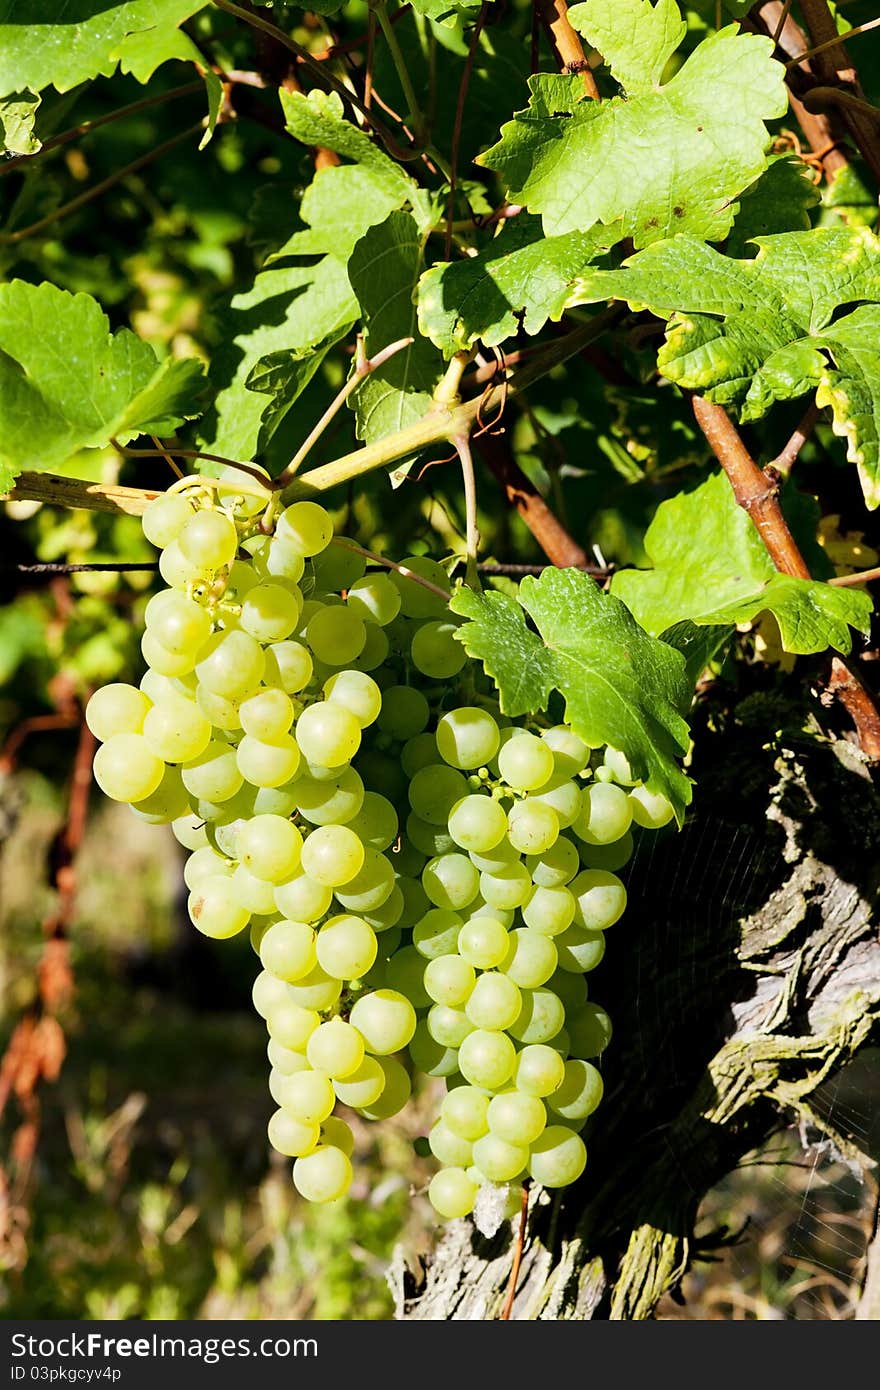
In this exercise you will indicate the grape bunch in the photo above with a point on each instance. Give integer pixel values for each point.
(426, 884)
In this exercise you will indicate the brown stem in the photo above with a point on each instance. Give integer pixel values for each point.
(559, 547)
(757, 492)
(566, 43)
(860, 577)
(517, 1254)
(823, 133)
(834, 68)
(486, 567)
(787, 457)
(832, 43)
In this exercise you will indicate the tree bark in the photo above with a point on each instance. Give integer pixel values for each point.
(745, 971)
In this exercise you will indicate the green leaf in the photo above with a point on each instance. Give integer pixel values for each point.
(620, 686)
(284, 376)
(68, 383)
(659, 159)
(698, 645)
(711, 567)
(17, 115)
(520, 276)
(214, 89)
(48, 43)
(384, 271)
(749, 333)
(778, 202)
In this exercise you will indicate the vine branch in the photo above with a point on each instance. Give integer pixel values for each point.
(834, 68)
(566, 43)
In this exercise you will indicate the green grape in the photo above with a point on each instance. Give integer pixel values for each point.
(176, 730)
(214, 911)
(650, 809)
(213, 775)
(308, 1095)
(508, 888)
(254, 893)
(415, 600)
(178, 571)
(374, 598)
(117, 709)
(166, 803)
(435, 652)
(231, 664)
(431, 840)
(436, 933)
(465, 1111)
(483, 942)
(404, 712)
(450, 881)
(494, 1002)
(223, 713)
(498, 1160)
(328, 734)
(486, 1059)
(447, 1025)
(408, 862)
(346, 947)
(617, 764)
(126, 768)
(558, 1157)
(385, 1019)
(580, 1092)
(452, 1193)
(333, 802)
(267, 714)
(563, 795)
(291, 1136)
(209, 539)
(370, 886)
(516, 1117)
(239, 581)
(580, 950)
(467, 737)
(590, 1031)
(357, 692)
(383, 773)
(269, 994)
(337, 1134)
(177, 622)
(405, 973)
(539, 1070)
(532, 827)
(284, 1060)
(376, 822)
(570, 753)
(289, 665)
(325, 1174)
(540, 1018)
(302, 899)
(290, 1024)
(306, 526)
(434, 791)
(448, 1148)
(600, 899)
(449, 979)
(336, 1048)
(505, 916)
(164, 518)
(268, 764)
(526, 762)
(389, 913)
(549, 911)
(288, 952)
(317, 990)
(497, 860)
(338, 567)
(336, 635)
(418, 752)
(270, 847)
(270, 612)
(189, 831)
(606, 813)
(363, 1086)
(204, 863)
(556, 866)
(613, 856)
(430, 1057)
(530, 959)
(166, 663)
(332, 855)
(374, 652)
(477, 823)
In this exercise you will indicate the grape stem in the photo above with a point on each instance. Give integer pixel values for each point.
(517, 1253)
(391, 565)
(472, 533)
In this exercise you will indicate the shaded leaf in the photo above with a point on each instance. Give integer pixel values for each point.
(17, 114)
(284, 376)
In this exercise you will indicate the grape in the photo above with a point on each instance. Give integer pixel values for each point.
(497, 860)
(580, 1091)
(231, 664)
(539, 1070)
(450, 881)
(336, 1133)
(558, 1157)
(389, 913)
(328, 734)
(430, 840)
(270, 847)
(267, 715)
(323, 1175)
(448, 1148)
(449, 979)
(486, 1059)
(238, 496)
(213, 909)
(303, 899)
(356, 692)
(164, 518)
(170, 664)
(612, 856)
(556, 866)
(531, 958)
(288, 665)
(374, 651)
(270, 612)
(291, 1136)
(484, 942)
(364, 1085)
(306, 526)
(451, 1193)
(525, 762)
(447, 1025)
(606, 813)
(177, 622)
(223, 713)
(268, 994)
(465, 1112)
(435, 652)
(385, 1019)
(336, 1048)
(179, 572)
(208, 539)
(370, 886)
(550, 911)
(203, 863)
(600, 899)
(494, 1002)
(176, 730)
(418, 752)
(214, 774)
(429, 1056)
(467, 737)
(189, 831)
(346, 948)
(540, 1018)
(617, 764)
(374, 598)
(436, 933)
(477, 823)
(405, 972)
(590, 1031)
(255, 894)
(167, 802)
(434, 791)
(376, 822)
(416, 600)
(516, 1117)
(332, 855)
(580, 950)
(332, 802)
(317, 990)
(290, 1024)
(532, 826)
(497, 1159)
(268, 764)
(126, 769)
(563, 795)
(284, 1060)
(570, 753)
(117, 709)
(336, 635)
(650, 809)
(508, 888)
(404, 712)
(287, 950)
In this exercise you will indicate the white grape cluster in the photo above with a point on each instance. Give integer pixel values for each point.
(439, 919)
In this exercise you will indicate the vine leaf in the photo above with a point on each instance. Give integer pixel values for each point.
(620, 685)
(661, 158)
(384, 270)
(18, 112)
(284, 376)
(43, 43)
(749, 333)
(520, 276)
(698, 645)
(711, 567)
(68, 383)
(779, 201)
